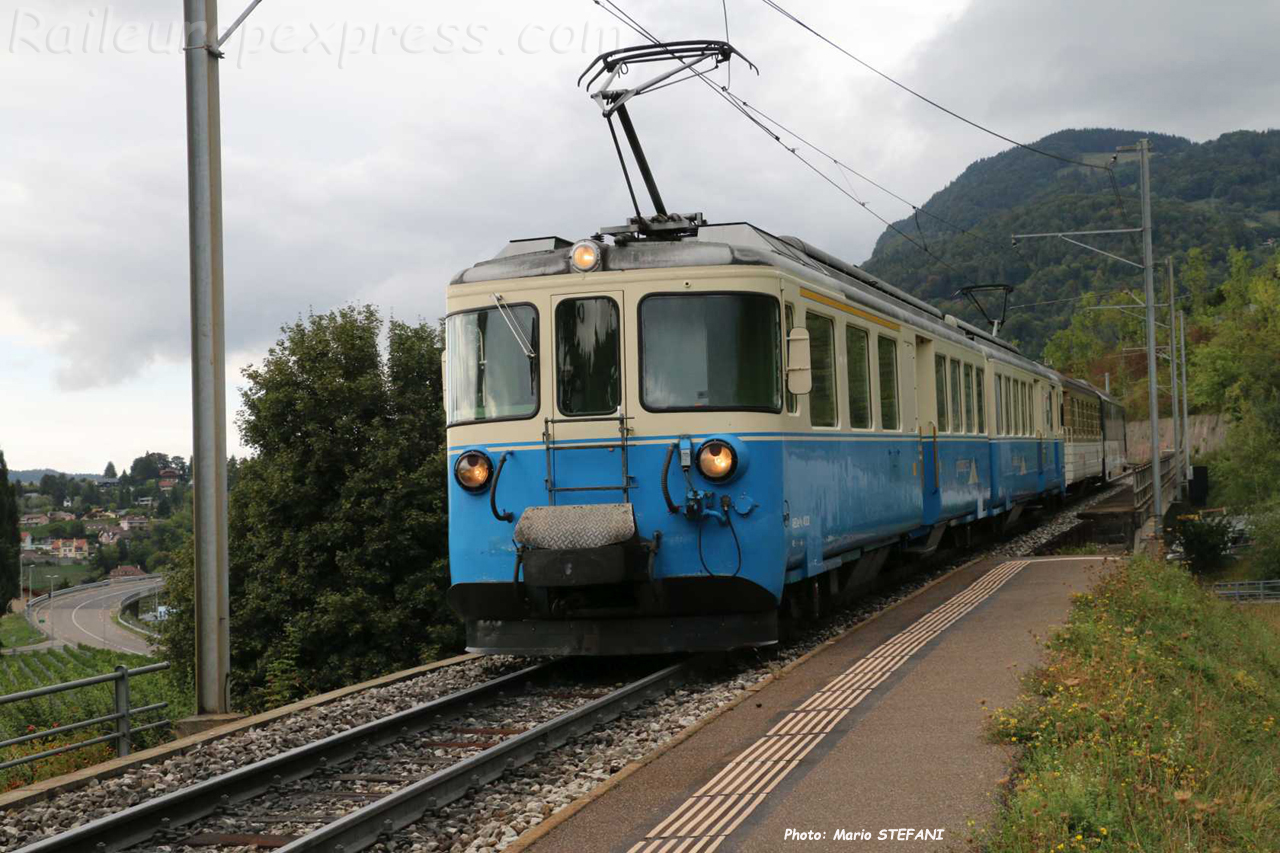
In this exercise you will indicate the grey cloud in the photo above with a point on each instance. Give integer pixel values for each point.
(379, 180)
(1192, 68)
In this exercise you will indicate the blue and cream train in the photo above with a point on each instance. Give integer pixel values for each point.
(661, 445)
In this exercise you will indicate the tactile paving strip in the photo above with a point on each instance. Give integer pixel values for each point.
(703, 822)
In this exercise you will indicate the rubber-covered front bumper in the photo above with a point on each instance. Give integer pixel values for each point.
(629, 636)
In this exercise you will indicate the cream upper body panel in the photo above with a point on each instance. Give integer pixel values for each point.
(627, 289)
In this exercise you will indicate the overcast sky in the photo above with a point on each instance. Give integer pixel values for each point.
(373, 149)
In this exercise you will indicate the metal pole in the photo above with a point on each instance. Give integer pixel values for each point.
(1106, 379)
(123, 725)
(1186, 418)
(1174, 411)
(1148, 276)
(208, 367)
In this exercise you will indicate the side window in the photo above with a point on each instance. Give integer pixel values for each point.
(982, 400)
(1027, 410)
(999, 411)
(956, 424)
(1017, 406)
(887, 361)
(1048, 411)
(793, 402)
(1016, 420)
(822, 399)
(856, 346)
(940, 386)
(968, 398)
(1020, 400)
(1015, 401)
(1008, 408)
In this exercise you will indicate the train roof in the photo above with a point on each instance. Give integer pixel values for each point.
(1090, 388)
(741, 243)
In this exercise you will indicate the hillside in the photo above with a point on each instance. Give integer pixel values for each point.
(33, 475)
(1215, 195)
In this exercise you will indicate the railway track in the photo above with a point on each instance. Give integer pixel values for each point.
(354, 788)
(366, 786)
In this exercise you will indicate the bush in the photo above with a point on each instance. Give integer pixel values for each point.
(1203, 541)
(1264, 556)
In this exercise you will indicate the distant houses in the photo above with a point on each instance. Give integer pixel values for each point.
(168, 479)
(134, 522)
(147, 501)
(28, 544)
(34, 520)
(76, 549)
(111, 535)
(121, 572)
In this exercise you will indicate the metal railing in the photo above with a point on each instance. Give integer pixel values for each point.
(134, 598)
(1248, 590)
(1143, 483)
(122, 717)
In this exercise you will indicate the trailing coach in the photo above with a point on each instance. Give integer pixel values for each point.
(662, 443)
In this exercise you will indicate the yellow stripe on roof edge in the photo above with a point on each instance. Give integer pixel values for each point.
(849, 309)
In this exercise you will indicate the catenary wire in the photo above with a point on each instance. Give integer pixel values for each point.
(789, 16)
(1111, 174)
(612, 8)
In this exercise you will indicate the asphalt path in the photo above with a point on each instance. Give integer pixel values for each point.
(89, 617)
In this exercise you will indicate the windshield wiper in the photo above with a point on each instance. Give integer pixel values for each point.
(514, 327)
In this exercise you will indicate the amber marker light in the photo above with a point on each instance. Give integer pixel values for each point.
(587, 256)
(473, 470)
(716, 460)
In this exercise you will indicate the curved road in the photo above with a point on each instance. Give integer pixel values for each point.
(89, 617)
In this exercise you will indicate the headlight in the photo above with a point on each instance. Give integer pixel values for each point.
(716, 460)
(473, 470)
(587, 256)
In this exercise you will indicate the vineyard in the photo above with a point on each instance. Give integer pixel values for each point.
(20, 672)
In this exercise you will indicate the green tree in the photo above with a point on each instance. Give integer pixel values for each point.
(1237, 371)
(1195, 277)
(10, 541)
(147, 467)
(110, 471)
(104, 559)
(338, 520)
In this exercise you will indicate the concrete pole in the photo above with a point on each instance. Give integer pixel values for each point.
(208, 362)
(1148, 275)
(1186, 418)
(1175, 413)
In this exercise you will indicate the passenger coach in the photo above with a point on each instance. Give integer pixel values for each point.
(660, 444)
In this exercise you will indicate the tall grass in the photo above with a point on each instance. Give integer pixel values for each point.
(1152, 726)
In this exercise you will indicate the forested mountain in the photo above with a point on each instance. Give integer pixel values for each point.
(1215, 195)
(34, 475)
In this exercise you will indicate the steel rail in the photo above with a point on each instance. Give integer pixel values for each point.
(364, 827)
(166, 813)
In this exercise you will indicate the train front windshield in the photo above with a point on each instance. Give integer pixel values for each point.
(711, 351)
(493, 364)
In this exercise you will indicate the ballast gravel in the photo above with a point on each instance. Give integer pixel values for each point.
(105, 797)
(491, 819)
